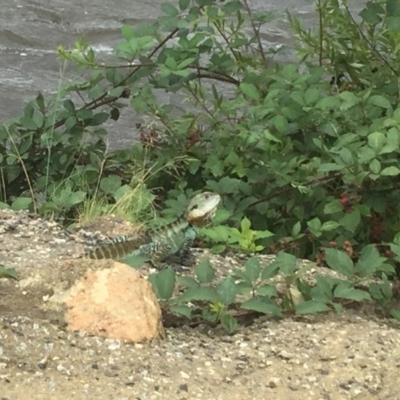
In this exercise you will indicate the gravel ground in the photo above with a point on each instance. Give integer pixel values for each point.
(355, 355)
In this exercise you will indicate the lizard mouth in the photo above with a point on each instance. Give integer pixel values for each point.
(202, 214)
(202, 221)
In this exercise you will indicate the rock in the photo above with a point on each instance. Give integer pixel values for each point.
(114, 302)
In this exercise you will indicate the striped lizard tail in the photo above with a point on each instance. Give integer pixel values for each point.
(118, 247)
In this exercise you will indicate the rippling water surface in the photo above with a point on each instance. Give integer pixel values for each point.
(30, 30)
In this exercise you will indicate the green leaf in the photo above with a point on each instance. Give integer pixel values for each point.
(186, 311)
(127, 32)
(311, 307)
(339, 261)
(350, 221)
(349, 100)
(296, 229)
(252, 267)
(183, 4)
(287, 263)
(229, 323)
(241, 275)
(218, 233)
(281, 123)
(333, 207)
(267, 290)
(115, 114)
(135, 261)
(311, 96)
(37, 119)
(85, 114)
(322, 291)
(270, 137)
(199, 294)
(22, 203)
(227, 291)
(332, 102)
(100, 118)
(121, 192)
(369, 261)
(163, 283)
(259, 305)
(219, 248)
(110, 184)
(390, 171)
(204, 271)
(249, 90)
(69, 106)
(74, 198)
(370, 13)
(245, 225)
(169, 9)
(187, 281)
(386, 289)
(376, 140)
(375, 166)
(379, 101)
(8, 273)
(329, 226)
(315, 226)
(345, 291)
(40, 102)
(270, 270)
(244, 287)
(395, 314)
(328, 167)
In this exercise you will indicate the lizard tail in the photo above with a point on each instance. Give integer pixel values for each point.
(118, 248)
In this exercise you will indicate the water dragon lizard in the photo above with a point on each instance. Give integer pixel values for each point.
(175, 238)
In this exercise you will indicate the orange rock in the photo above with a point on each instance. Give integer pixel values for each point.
(116, 303)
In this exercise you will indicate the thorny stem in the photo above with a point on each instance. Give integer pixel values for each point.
(200, 101)
(289, 188)
(222, 33)
(379, 55)
(321, 33)
(256, 32)
(102, 100)
(219, 76)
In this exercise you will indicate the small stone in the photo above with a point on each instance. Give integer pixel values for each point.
(285, 355)
(110, 373)
(324, 372)
(274, 382)
(184, 387)
(184, 375)
(114, 346)
(42, 365)
(345, 386)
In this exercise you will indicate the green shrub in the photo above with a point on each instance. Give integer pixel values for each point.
(314, 161)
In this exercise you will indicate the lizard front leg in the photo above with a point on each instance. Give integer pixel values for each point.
(185, 252)
(156, 252)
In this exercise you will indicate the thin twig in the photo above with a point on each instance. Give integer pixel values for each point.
(289, 188)
(380, 56)
(256, 32)
(321, 32)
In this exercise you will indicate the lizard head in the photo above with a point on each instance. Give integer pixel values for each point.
(202, 208)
